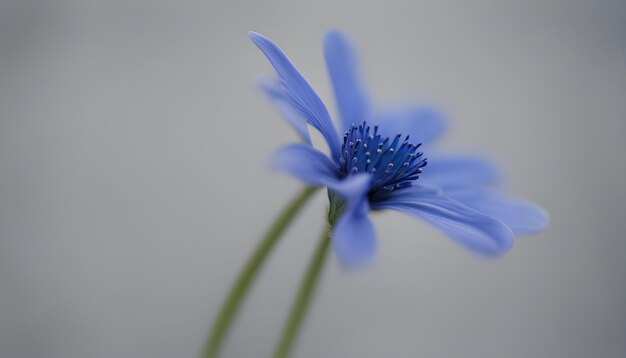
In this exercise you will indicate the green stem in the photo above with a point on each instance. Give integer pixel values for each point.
(246, 277)
(303, 298)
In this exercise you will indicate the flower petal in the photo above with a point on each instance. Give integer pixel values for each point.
(411, 194)
(307, 164)
(472, 229)
(277, 96)
(459, 170)
(350, 94)
(422, 123)
(298, 92)
(522, 217)
(354, 237)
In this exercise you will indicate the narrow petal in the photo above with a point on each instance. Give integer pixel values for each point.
(307, 164)
(450, 171)
(276, 94)
(350, 94)
(298, 92)
(522, 217)
(354, 237)
(423, 124)
(472, 229)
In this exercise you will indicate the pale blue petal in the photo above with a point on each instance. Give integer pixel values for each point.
(476, 231)
(354, 237)
(275, 93)
(299, 93)
(307, 164)
(522, 217)
(423, 124)
(350, 94)
(459, 170)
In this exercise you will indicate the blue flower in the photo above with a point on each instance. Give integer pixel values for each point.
(376, 167)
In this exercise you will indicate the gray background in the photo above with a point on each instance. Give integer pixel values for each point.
(134, 181)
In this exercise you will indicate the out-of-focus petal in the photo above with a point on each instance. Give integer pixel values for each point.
(354, 237)
(472, 229)
(423, 124)
(277, 96)
(298, 92)
(522, 217)
(307, 164)
(459, 170)
(350, 94)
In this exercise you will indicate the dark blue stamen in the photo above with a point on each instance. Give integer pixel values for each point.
(393, 163)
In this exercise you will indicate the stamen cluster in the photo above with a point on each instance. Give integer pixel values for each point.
(394, 164)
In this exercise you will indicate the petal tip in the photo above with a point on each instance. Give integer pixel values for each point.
(259, 39)
(502, 238)
(354, 241)
(540, 221)
(334, 35)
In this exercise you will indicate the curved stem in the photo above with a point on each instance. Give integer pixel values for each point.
(303, 298)
(246, 277)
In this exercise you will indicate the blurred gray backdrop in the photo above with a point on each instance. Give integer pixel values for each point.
(134, 178)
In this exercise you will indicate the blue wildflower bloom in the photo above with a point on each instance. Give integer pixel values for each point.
(376, 167)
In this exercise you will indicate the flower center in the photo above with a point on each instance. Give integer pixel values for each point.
(393, 164)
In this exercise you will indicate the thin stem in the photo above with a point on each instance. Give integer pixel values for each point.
(246, 277)
(303, 298)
